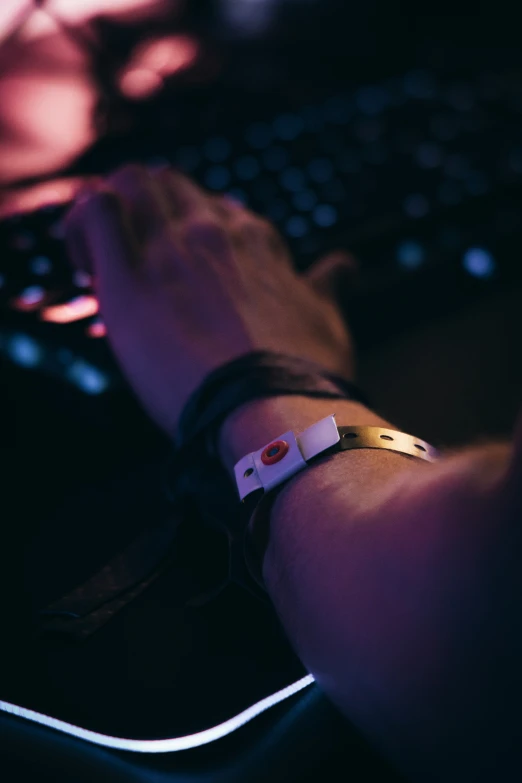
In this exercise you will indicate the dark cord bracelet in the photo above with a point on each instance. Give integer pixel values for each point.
(253, 376)
(196, 476)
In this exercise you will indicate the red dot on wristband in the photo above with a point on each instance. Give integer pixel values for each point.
(274, 452)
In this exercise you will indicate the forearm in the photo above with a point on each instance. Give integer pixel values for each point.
(354, 580)
(314, 526)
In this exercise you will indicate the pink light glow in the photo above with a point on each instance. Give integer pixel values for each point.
(156, 59)
(47, 100)
(38, 25)
(52, 122)
(29, 300)
(75, 310)
(48, 96)
(140, 83)
(167, 55)
(11, 13)
(97, 329)
(80, 11)
(54, 192)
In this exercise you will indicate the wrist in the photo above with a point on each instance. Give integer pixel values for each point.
(255, 423)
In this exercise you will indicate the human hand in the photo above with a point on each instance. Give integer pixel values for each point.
(188, 281)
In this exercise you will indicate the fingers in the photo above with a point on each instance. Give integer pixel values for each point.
(162, 202)
(247, 230)
(133, 222)
(332, 274)
(145, 198)
(159, 198)
(186, 197)
(150, 215)
(98, 237)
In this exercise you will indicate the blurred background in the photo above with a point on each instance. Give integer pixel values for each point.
(392, 130)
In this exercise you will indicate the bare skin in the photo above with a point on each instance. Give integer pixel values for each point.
(398, 582)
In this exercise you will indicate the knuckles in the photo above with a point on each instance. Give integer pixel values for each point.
(253, 229)
(88, 205)
(129, 173)
(207, 230)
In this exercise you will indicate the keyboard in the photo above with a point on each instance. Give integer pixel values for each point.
(420, 176)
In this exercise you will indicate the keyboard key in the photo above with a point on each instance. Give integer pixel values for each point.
(333, 190)
(217, 149)
(237, 196)
(259, 135)
(217, 177)
(449, 193)
(479, 262)
(332, 142)
(349, 161)
(24, 350)
(88, 378)
(338, 110)
(75, 310)
(247, 167)
(96, 329)
(40, 265)
(264, 189)
(450, 238)
(419, 85)
(288, 126)
(292, 179)
(320, 170)
(313, 118)
(456, 166)
(277, 210)
(372, 100)
(410, 254)
(275, 158)
(444, 127)
(375, 153)
(82, 279)
(57, 230)
(416, 205)
(477, 183)
(296, 226)
(187, 158)
(29, 299)
(460, 97)
(325, 215)
(23, 241)
(367, 130)
(304, 200)
(429, 156)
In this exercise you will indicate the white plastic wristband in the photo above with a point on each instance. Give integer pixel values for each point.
(288, 454)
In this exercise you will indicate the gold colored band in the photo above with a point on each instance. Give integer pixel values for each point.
(260, 506)
(382, 438)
